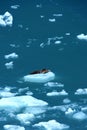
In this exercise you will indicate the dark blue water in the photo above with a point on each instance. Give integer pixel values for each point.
(67, 60)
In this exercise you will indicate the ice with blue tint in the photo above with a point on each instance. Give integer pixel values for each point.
(6, 19)
(39, 78)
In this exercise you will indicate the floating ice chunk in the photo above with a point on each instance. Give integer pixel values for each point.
(42, 16)
(66, 100)
(18, 102)
(13, 127)
(54, 84)
(9, 65)
(39, 5)
(55, 93)
(7, 94)
(15, 6)
(6, 19)
(52, 20)
(57, 15)
(80, 116)
(82, 37)
(51, 125)
(57, 42)
(84, 108)
(25, 118)
(81, 91)
(67, 34)
(39, 78)
(11, 56)
(29, 93)
(70, 111)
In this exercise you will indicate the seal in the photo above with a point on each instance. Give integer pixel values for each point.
(40, 71)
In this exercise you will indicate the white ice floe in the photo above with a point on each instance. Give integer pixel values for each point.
(52, 20)
(11, 56)
(9, 65)
(82, 37)
(66, 100)
(54, 84)
(51, 125)
(81, 91)
(58, 42)
(6, 19)
(70, 111)
(13, 127)
(6, 93)
(25, 118)
(18, 102)
(80, 116)
(15, 6)
(39, 78)
(57, 15)
(67, 34)
(55, 93)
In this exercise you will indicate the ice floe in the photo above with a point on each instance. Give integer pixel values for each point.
(6, 93)
(9, 65)
(57, 15)
(55, 93)
(39, 78)
(13, 127)
(80, 116)
(18, 102)
(70, 111)
(51, 125)
(82, 37)
(52, 20)
(81, 91)
(6, 19)
(15, 6)
(54, 84)
(66, 100)
(11, 56)
(57, 42)
(25, 118)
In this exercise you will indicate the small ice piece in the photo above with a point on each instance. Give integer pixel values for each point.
(55, 93)
(42, 16)
(6, 19)
(81, 91)
(57, 42)
(80, 116)
(66, 100)
(25, 118)
(82, 37)
(54, 84)
(39, 5)
(15, 6)
(51, 125)
(29, 93)
(20, 90)
(13, 127)
(9, 65)
(39, 78)
(57, 15)
(70, 111)
(42, 45)
(6, 94)
(52, 20)
(11, 56)
(67, 34)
